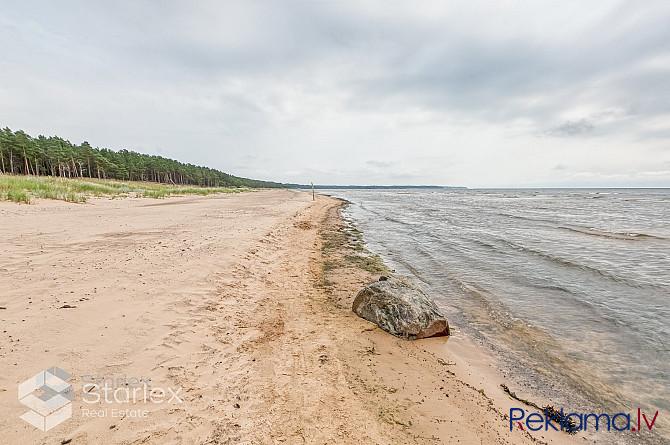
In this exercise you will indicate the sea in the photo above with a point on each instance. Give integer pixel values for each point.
(569, 288)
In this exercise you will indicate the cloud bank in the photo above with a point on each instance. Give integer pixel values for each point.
(481, 94)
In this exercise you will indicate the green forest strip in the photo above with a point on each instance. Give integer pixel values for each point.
(22, 154)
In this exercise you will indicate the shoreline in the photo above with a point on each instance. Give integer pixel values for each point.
(472, 372)
(551, 382)
(240, 303)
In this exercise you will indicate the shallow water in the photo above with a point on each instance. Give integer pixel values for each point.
(575, 283)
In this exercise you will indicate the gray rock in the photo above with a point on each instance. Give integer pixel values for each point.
(400, 307)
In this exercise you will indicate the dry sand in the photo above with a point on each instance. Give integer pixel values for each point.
(227, 298)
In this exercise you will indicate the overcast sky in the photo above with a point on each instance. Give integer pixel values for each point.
(472, 93)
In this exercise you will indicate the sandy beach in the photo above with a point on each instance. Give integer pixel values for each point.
(239, 306)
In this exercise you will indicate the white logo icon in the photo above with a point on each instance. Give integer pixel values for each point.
(52, 406)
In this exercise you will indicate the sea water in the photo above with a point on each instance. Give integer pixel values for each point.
(571, 287)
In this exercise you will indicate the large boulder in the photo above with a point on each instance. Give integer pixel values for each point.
(400, 307)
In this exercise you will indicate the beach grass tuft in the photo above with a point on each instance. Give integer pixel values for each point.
(27, 189)
(344, 244)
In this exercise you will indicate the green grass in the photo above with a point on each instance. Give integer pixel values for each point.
(372, 263)
(26, 189)
(347, 240)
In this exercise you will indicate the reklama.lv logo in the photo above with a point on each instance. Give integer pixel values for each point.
(568, 422)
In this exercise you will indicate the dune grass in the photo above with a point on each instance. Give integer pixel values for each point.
(26, 189)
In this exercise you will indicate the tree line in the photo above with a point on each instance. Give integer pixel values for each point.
(22, 154)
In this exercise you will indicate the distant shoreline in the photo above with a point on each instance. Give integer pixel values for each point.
(380, 187)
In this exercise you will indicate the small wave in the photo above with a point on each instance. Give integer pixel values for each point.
(552, 287)
(568, 263)
(488, 246)
(414, 271)
(397, 221)
(629, 236)
(526, 218)
(515, 216)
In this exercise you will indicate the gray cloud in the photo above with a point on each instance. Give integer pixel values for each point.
(380, 164)
(570, 128)
(334, 90)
